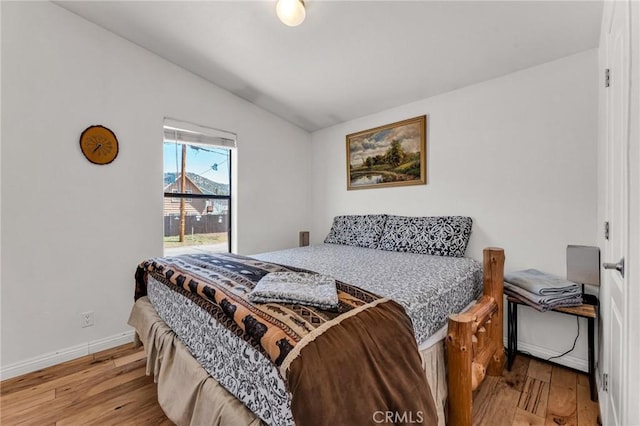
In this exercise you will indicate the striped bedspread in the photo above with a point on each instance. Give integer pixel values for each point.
(326, 358)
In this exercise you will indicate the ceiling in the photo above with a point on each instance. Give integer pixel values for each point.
(349, 58)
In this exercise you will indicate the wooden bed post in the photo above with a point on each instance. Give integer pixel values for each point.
(459, 357)
(494, 287)
(475, 344)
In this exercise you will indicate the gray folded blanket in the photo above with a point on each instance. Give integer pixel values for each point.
(544, 302)
(296, 287)
(541, 283)
(576, 301)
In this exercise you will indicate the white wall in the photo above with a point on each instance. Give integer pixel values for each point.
(73, 232)
(517, 154)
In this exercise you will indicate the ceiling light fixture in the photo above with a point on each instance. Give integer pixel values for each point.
(291, 12)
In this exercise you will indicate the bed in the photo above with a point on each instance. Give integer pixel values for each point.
(206, 374)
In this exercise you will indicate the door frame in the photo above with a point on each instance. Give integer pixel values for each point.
(631, 412)
(630, 409)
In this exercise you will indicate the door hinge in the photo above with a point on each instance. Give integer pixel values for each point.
(605, 382)
(607, 77)
(606, 230)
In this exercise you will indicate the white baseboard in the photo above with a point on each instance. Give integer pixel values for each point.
(47, 360)
(111, 342)
(67, 354)
(544, 353)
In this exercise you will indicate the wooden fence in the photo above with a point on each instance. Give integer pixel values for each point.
(196, 224)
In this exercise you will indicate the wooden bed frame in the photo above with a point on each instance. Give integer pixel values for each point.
(475, 345)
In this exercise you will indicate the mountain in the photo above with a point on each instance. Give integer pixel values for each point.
(207, 186)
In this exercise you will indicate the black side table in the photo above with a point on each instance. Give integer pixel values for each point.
(584, 311)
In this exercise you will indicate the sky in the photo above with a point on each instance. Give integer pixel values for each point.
(198, 161)
(377, 142)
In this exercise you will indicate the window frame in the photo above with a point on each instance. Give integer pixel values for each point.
(195, 135)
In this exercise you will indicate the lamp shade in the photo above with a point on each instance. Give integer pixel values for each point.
(291, 12)
(583, 265)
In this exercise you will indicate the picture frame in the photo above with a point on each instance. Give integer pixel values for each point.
(391, 155)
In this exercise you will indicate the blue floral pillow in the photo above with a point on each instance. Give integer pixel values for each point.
(357, 230)
(437, 236)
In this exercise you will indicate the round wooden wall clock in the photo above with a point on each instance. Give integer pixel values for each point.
(99, 144)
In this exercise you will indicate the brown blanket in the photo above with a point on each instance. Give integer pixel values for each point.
(364, 370)
(359, 365)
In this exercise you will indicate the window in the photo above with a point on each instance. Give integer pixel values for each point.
(197, 188)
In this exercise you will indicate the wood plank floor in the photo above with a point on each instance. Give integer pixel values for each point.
(535, 393)
(107, 388)
(111, 388)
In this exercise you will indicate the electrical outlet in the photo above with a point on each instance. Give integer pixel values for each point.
(86, 319)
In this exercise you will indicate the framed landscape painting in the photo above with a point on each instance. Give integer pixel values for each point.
(391, 155)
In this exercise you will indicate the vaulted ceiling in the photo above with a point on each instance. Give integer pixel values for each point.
(349, 58)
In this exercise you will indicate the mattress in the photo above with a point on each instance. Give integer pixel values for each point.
(428, 287)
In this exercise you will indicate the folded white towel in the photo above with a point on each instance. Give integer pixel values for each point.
(296, 287)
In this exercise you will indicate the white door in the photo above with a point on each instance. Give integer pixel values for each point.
(616, 208)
